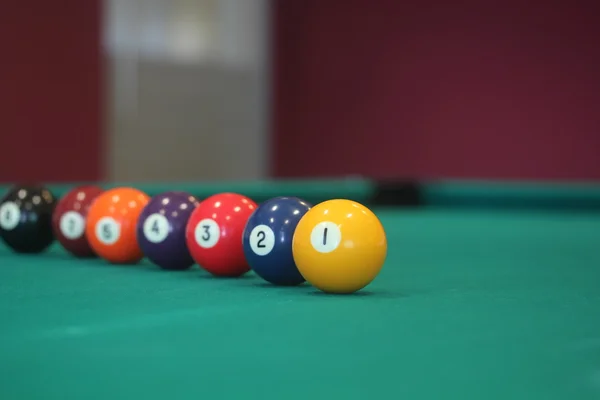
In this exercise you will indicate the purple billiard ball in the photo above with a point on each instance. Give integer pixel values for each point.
(161, 230)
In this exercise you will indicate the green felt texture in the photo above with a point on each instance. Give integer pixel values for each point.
(312, 190)
(477, 305)
(531, 195)
(444, 193)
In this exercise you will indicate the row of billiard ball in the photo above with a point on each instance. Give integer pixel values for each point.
(338, 246)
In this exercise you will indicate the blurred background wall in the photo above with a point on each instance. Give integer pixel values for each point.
(51, 84)
(436, 88)
(172, 90)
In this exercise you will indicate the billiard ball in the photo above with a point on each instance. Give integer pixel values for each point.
(111, 225)
(69, 218)
(161, 230)
(268, 237)
(214, 233)
(26, 218)
(339, 246)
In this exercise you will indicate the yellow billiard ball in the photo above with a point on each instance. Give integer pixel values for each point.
(339, 246)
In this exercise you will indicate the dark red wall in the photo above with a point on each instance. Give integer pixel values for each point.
(427, 89)
(50, 90)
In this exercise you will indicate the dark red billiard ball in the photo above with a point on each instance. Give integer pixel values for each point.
(161, 230)
(69, 220)
(214, 233)
(26, 218)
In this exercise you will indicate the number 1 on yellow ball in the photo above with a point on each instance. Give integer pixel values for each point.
(339, 246)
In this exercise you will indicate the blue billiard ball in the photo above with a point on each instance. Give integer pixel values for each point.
(267, 240)
(161, 230)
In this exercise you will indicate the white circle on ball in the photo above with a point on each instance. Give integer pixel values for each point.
(72, 225)
(108, 230)
(156, 228)
(10, 215)
(207, 233)
(262, 240)
(325, 237)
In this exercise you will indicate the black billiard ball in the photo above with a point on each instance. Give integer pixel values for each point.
(26, 218)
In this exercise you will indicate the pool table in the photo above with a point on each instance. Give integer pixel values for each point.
(478, 299)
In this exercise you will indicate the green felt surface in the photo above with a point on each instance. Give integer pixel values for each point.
(444, 193)
(312, 190)
(470, 305)
(513, 195)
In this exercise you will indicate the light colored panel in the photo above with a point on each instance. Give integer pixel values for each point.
(188, 89)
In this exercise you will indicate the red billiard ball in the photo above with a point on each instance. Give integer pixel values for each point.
(69, 220)
(214, 233)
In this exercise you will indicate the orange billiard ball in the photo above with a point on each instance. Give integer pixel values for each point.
(339, 246)
(214, 233)
(111, 224)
